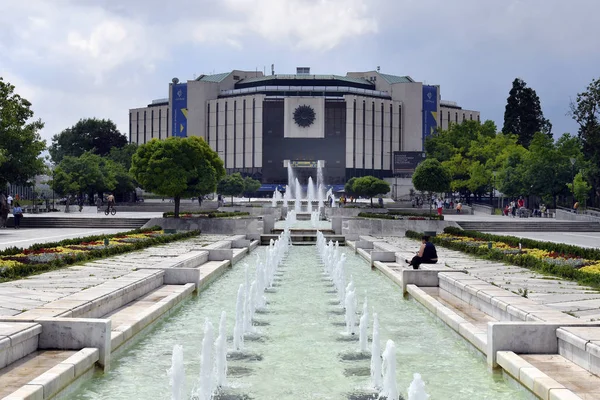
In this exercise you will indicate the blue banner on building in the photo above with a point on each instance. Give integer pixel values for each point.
(179, 110)
(430, 106)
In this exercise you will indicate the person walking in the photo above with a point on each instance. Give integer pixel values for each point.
(111, 201)
(9, 199)
(440, 206)
(427, 254)
(17, 214)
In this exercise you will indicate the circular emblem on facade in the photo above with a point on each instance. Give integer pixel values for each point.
(304, 116)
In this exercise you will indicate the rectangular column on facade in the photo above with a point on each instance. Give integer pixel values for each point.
(350, 130)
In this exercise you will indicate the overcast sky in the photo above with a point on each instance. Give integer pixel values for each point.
(97, 58)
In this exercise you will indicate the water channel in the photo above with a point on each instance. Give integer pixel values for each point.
(299, 351)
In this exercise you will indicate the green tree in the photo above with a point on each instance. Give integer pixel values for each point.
(177, 167)
(523, 115)
(89, 174)
(586, 112)
(250, 186)
(20, 142)
(231, 185)
(123, 155)
(431, 177)
(370, 186)
(349, 187)
(96, 135)
(580, 188)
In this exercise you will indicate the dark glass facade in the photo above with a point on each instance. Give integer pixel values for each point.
(277, 148)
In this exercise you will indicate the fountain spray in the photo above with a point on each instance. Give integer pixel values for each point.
(416, 390)
(221, 352)
(206, 364)
(363, 327)
(390, 388)
(238, 329)
(350, 304)
(375, 355)
(177, 373)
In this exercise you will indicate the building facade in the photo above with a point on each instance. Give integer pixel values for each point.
(353, 124)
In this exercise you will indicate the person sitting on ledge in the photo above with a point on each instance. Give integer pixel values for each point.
(427, 254)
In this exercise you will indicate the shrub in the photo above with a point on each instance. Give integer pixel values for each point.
(402, 216)
(207, 214)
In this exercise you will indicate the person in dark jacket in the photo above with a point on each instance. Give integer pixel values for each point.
(427, 254)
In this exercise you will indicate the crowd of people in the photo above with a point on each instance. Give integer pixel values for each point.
(440, 204)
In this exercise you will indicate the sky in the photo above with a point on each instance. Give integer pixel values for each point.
(76, 59)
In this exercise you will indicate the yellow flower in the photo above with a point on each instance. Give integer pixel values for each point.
(9, 263)
(592, 269)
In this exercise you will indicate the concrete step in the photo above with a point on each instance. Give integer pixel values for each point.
(57, 222)
(17, 340)
(531, 226)
(305, 231)
(306, 239)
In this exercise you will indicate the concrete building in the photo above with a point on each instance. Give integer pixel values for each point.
(355, 125)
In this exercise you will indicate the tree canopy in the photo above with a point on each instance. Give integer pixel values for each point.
(177, 167)
(98, 136)
(586, 112)
(370, 186)
(88, 173)
(20, 142)
(523, 115)
(250, 186)
(231, 185)
(431, 176)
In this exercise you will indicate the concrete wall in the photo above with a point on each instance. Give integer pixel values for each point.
(384, 227)
(452, 115)
(246, 226)
(563, 215)
(149, 123)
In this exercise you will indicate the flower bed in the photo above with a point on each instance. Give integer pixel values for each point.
(566, 261)
(402, 216)
(206, 214)
(16, 262)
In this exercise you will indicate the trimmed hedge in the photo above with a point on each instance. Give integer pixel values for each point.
(590, 254)
(401, 215)
(24, 270)
(522, 260)
(208, 214)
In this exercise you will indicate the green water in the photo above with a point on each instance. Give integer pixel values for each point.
(301, 342)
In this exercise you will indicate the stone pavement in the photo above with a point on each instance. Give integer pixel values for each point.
(35, 291)
(563, 295)
(26, 237)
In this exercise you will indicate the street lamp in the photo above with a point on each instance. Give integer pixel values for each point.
(573, 160)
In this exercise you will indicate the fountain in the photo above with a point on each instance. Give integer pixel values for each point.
(277, 197)
(297, 197)
(287, 196)
(350, 305)
(177, 374)
(390, 388)
(221, 352)
(416, 390)
(310, 194)
(238, 329)
(206, 389)
(375, 355)
(363, 327)
(301, 322)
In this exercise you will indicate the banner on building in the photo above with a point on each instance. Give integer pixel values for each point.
(304, 164)
(179, 110)
(430, 106)
(407, 161)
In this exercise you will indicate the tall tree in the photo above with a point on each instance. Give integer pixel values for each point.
(20, 142)
(523, 115)
(250, 186)
(370, 186)
(89, 174)
(177, 167)
(586, 112)
(96, 135)
(231, 185)
(431, 177)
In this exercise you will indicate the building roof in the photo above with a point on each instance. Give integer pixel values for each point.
(305, 78)
(213, 78)
(396, 79)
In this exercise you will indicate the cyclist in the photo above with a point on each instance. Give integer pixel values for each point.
(111, 201)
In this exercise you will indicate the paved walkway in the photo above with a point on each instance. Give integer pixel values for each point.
(35, 291)
(25, 237)
(563, 295)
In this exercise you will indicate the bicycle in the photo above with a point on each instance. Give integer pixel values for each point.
(111, 209)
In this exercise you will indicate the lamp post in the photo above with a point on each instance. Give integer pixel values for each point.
(573, 160)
